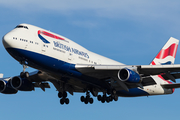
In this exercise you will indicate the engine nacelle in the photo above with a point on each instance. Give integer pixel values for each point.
(127, 75)
(22, 84)
(6, 88)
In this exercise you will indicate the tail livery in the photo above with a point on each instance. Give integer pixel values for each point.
(167, 54)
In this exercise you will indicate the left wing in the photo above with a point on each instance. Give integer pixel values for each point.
(144, 70)
(130, 75)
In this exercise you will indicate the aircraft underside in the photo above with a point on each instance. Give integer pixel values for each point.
(70, 77)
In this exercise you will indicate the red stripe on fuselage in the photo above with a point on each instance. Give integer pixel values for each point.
(170, 51)
(50, 35)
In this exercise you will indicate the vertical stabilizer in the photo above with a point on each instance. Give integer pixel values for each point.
(167, 54)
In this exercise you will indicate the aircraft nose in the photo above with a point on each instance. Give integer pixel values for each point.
(6, 40)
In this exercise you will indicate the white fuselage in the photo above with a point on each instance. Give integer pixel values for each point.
(33, 39)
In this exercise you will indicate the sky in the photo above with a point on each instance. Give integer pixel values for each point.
(128, 31)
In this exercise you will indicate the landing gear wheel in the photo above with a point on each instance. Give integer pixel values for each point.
(86, 100)
(99, 97)
(60, 94)
(91, 100)
(104, 97)
(66, 101)
(82, 98)
(64, 94)
(103, 100)
(109, 92)
(110, 98)
(22, 74)
(115, 98)
(62, 101)
(107, 99)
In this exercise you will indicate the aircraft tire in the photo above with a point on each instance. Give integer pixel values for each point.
(115, 98)
(110, 98)
(107, 99)
(62, 101)
(82, 98)
(60, 94)
(66, 101)
(86, 101)
(64, 94)
(99, 97)
(91, 100)
(103, 100)
(22, 75)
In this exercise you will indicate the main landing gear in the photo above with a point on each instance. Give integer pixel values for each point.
(112, 96)
(63, 96)
(87, 99)
(104, 98)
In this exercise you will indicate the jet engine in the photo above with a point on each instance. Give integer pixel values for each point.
(127, 75)
(6, 88)
(22, 84)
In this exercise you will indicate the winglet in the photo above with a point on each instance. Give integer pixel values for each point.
(167, 54)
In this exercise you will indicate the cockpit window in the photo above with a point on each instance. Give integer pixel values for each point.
(21, 26)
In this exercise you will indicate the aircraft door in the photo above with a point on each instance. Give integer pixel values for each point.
(25, 42)
(44, 48)
(70, 57)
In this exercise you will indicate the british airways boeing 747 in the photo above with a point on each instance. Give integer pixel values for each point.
(72, 68)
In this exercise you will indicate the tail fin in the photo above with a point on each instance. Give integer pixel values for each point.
(167, 54)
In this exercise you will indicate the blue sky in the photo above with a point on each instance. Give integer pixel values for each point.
(128, 31)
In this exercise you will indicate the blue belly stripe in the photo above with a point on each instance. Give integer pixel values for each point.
(56, 65)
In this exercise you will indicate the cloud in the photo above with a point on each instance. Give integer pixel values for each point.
(159, 12)
(110, 8)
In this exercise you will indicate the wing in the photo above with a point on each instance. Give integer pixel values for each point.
(97, 72)
(105, 72)
(41, 79)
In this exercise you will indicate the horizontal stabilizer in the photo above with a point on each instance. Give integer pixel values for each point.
(171, 86)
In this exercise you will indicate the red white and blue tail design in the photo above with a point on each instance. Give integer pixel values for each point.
(167, 54)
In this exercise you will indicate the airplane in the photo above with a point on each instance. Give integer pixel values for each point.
(72, 68)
